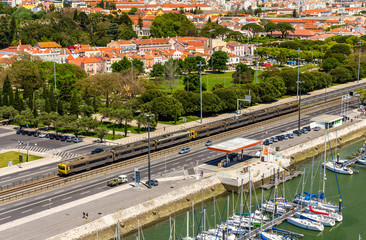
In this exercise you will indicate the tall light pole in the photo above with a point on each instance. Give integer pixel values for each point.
(148, 156)
(239, 75)
(54, 70)
(298, 73)
(299, 83)
(256, 70)
(200, 65)
(359, 63)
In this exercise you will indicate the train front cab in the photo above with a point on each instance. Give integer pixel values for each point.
(63, 169)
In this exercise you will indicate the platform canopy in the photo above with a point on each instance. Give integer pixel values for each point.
(234, 145)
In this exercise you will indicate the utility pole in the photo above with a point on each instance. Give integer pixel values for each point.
(298, 73)
(200, 65)
(359, 63)
(54, 70)
(239, 75)
(256, 70)
(148, 156)
(299, 83)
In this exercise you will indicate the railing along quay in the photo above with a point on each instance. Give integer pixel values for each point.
(34, 189)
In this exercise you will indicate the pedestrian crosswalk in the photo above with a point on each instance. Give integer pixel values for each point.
(56, 152)
(7, 134)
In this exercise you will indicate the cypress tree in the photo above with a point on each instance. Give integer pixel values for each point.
(45, 92)
(35, 112)
(18, 103)
(7, 91)
(107, 101)
(95, 107)
(30, 101)
(74, 105)
(47, 106)
(87, 97)
(60, 108)
(52, 100)
(1, 99)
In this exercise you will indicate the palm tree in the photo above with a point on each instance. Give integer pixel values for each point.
(171, 69)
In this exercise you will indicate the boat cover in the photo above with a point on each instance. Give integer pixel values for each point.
(312, 195)
(317, 212)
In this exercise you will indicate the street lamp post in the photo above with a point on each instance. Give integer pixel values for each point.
(200, 65)
(256, 70)
(239, 75)
(298, 73)
(359, 63)
(299, 83)
(148, 156)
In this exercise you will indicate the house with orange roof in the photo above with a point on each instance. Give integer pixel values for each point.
(342, 31)
(92, 65)
(45, 54)
(300, 33)
(48, 45)
(108, 60)
(315, 13)
(238, 49)
(125, 45)
(152, 44)
(13, 50)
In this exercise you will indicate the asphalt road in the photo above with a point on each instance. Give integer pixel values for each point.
(31, 205)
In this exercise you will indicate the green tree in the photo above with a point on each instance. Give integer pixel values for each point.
(167, 108)
(341, 48)
(7, 92)
(87, 123)
(330, 63)
(192, 83)
(74, 105)
(362, 93)
(218, 61)
(18, 103)
(284, 28)
(190, 101)
(157, 70)
(253, 27)
(243, 74)
(171, 71)
(132, 11)
(270, 27)
(281, 57)
(139, 65)
(126, 32)
(294, 13)
(100, 132)
(22, 13)
(121, 65)
(341, 74)
(172, 25)
(151, 94)
(190, 64)
(121, 115)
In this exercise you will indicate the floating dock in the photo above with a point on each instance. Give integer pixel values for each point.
(287, 178)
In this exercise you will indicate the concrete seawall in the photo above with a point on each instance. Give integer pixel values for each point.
(147, 213)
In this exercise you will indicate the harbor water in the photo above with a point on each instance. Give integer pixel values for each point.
(352, 188)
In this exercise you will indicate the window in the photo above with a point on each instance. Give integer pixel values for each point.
(61, 167)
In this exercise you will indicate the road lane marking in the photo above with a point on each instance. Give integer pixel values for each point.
(19, 204)
(27, 210)
(46, 204)
(5, 218)
(84, 192)
(64, 199)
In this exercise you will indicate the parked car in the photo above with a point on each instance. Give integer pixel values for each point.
(63, 138)
(290, 135)
(284, 136)
(30, 133)
(51, 136)
(266, 142)
(153, 182)
(274, 139)
(47, 135)
(97, 150)
(208, 143)
(57, 137)
(297, 132)
(19, 131)
(24, 132)
(184, 150)
(270, 140)
(42, 135)
(316, 128)
(279, 138)
(70, 139)
(77, 140)
(304, 131)
(307, 128)
(35, 134)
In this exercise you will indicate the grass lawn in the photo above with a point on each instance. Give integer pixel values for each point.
(14, 157)
(180, 121)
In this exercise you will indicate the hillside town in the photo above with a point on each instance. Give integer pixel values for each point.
(312, 20)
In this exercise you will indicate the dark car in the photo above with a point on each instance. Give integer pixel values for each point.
(24, 132)
(63, 138)
(297, 132)
(290, 135)
(208, 143)
(153, 182)
(307, 128)
(97, 150)
(266, 142)
(52, 136)
(58, 137)
(280, 138)
(284, 136)
(35, 134)
(19, 131)
(304, 131)
(47, 135)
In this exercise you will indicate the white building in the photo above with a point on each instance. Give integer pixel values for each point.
(326, 121)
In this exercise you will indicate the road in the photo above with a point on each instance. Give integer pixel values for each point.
(72, 150)
(41, 202)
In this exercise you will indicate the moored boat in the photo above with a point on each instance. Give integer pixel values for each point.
(328, 222)
(306, 224)
(338, 168)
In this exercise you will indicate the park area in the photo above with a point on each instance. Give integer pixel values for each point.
(14, 157)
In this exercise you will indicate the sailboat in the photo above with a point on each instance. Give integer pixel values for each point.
(306, 224)
(328, 222)
(338, 217)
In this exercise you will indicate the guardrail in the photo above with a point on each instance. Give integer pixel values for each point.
(155, 155)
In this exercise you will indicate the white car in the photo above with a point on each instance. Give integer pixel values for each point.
(42, 135)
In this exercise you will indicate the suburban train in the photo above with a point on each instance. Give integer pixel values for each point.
(127, 151)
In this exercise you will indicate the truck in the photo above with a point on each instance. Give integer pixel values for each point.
(119, 180)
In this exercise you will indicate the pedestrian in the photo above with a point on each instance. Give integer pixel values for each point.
(83, 214)
(164, 128)
(86, 215)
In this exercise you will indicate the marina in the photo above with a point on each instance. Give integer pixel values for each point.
(348, 186)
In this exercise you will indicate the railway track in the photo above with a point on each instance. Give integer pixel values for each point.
(56, 181)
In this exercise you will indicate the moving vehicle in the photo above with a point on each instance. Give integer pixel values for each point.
(184, 150)
(153, 182)
(208, 143)
(77, 140)
(124, 152)
(97, 150)
(119, 180)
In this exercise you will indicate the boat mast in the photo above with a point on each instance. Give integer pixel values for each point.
(187, 224)
(275, 193)
(241, 198)
(303, 185)
(250, 201)
(325, 158)
(193, 218)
